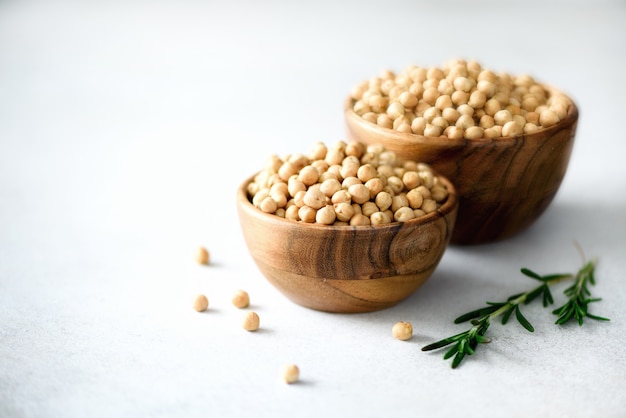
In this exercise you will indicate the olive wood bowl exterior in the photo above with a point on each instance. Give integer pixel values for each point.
(346, 268)
(504, 184)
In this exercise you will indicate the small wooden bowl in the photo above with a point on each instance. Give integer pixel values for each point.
(504, 184)
(346, 268)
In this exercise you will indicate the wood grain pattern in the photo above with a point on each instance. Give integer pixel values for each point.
(346, 268)
(504, 184)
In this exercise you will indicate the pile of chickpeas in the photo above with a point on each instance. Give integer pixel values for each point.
(346, 184)
(459, 100)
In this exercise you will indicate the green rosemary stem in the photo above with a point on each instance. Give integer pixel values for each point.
(576, 307)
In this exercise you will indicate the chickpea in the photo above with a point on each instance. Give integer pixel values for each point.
(241, 299)
(375, 185)
(450, 114)
(314, 198)
(298, 161)
(202, 256)
(368, 208)
(355, 149)
(463, 84)
(493, 132)
(307, 214)
(418, 125)
(395, 110)
(464, 122)
(430, 95)
(502, 117)
(548, 118)
(360, 194)
(398, 201)
(309, 175)
(366, 172)
(465, 109)
(403, 214)
(486, 121)
(445, 88)
(290, 373)
(402, 330)
(396, 184)
(344, 211)
(292, 213)
(383, 200)
(459, 97)
(318, 151)
(251, 322)
(341, 196)
(294, 185)
(259, 196)
(529, 128)
(361, 108)
(432, 130)
(201, 303)
(440, 122)
(334, 156)
(380, 218)
(454, 132)
(492, 106)
(512, 129)
(411, 179)
(477, 99)
(330, 187)
(378, 104)
(414, 198)
(429, 205)
(474, 132)
(408, 99)
(424, 191)
(268, 205)
(486, 87)
(359, 220)
(438, 193)
(371, 117)
(444, 101)
(326, 215)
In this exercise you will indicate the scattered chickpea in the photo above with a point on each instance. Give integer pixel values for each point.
(202, 256)
(251, 322)
(241, 299)
(201, 303)
(290, 373)
(402, 330)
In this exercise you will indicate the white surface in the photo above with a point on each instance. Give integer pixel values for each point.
(125, 128)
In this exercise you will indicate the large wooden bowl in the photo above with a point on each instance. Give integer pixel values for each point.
(504, 184)
(346, 268)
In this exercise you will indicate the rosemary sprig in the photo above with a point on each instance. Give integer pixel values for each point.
(465, 343)
(577, 307)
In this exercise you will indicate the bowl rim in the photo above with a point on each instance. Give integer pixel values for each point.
(451, 204)
(415, 139)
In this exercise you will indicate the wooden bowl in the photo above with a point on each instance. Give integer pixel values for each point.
(504, 184)
(346, 268)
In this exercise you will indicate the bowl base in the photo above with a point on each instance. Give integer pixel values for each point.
(345, 296)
